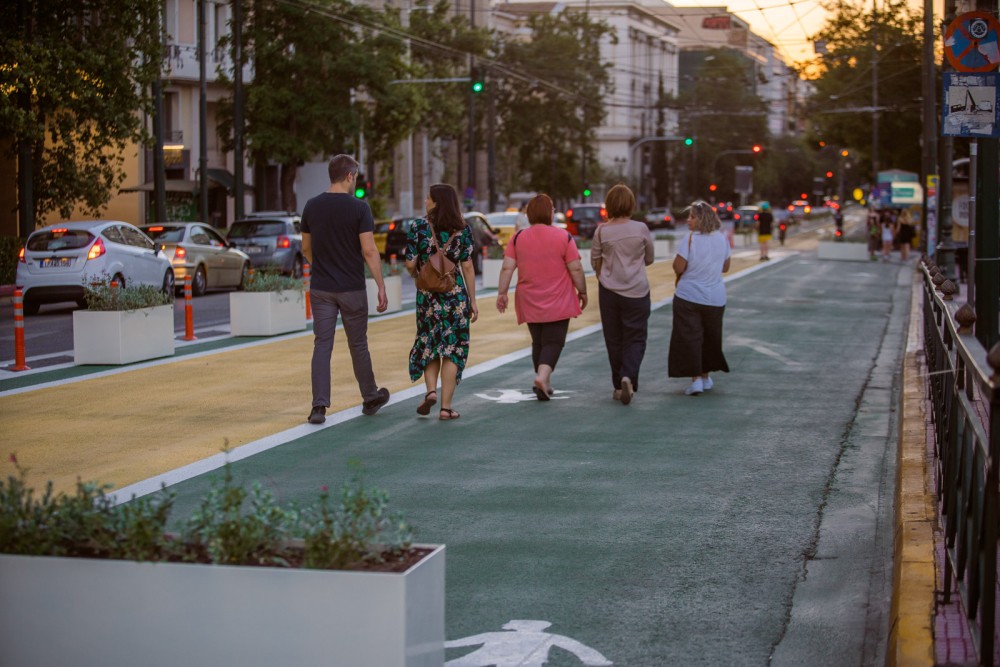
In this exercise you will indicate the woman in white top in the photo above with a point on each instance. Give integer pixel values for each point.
(699, 301)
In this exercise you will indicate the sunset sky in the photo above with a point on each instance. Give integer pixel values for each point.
(786, 23)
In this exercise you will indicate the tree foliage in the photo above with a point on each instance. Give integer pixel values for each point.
(76, 76)
(549, 90)
(725, 113)
(844, 82)
(322, 73)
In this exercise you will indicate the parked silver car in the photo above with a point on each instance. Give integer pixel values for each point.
(272, 240)
(58, 261)
(197, 250)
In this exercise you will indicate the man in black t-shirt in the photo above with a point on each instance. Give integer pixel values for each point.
(338, 239)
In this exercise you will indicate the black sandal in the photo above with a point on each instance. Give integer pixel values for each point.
(451, 415)
(425, 407)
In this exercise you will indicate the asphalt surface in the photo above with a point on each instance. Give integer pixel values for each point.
(747, 526)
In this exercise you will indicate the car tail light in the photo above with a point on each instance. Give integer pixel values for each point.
(156, 229)
(20, 256)
(392, 226)
(97, 249)
(60, 230)
(737, 217)
(604, 213)
(569, 214)
(791, 208)
(284, 242)
(666, 218)
(180, 252)
(756, 216)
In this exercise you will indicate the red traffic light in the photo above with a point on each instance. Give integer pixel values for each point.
(829, 174)
(757, 148)
(713, 187)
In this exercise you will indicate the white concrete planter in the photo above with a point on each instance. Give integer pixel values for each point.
(122, 337)
(77, 611)
(491, 273)
(393, 291)
(663, 248)
(843, 250)
(266, 313)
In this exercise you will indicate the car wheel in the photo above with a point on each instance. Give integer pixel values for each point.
(30, 307)
(297, 267)
(169, 284)
(244, 276)
(120, 279)
(200, 282)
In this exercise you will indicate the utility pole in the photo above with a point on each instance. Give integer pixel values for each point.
(929, 225)
(238, 108)
(202, 119)
(874, 93)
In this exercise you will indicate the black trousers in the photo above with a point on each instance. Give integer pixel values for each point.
(696, 340)
(547, 341)
(625, 321)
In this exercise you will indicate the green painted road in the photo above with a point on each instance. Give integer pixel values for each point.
(746, 526)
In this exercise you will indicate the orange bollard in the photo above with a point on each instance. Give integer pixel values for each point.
(19, 360)
(188, 310)
(307, 276)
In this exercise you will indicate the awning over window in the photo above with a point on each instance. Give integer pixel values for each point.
(216, 178)
(171, 185)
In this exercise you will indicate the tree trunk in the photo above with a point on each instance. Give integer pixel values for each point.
(288, 172)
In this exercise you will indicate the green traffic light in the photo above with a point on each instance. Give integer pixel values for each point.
(477, 86)
(688, 141)
(586, 193)
(359, 193)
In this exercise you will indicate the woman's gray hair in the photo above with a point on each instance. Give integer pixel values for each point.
(706, 219)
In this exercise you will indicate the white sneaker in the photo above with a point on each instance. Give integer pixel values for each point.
(696, 388)
(707, 384)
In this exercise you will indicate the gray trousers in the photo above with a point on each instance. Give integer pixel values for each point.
(353, 310)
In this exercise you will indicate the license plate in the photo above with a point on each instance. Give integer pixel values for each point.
(253, 250)
(49, 262)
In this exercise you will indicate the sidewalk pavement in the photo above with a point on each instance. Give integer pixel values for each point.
(167, 421)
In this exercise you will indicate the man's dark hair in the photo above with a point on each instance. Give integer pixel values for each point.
(342, 166)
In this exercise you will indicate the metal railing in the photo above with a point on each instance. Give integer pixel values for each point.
(964, 391)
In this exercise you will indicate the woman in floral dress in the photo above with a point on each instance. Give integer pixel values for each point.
(443, 318)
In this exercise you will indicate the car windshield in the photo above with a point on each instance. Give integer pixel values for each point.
(165, 234)
(502, 219)
(588, 213)
(245, 229)
(60, 239)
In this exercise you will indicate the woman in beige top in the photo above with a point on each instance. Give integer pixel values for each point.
(621, 250)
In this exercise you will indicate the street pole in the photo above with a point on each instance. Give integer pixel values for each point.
(25, 159)
(159, 174)
(491, 147)
(945, 251)
(874, 93)
(930, 126)
(987, 269)
(202, 119)
(238, 107)
(472, 110)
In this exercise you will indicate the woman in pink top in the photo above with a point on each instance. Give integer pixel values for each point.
(550, 287)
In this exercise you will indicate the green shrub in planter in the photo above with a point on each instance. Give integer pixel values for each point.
(10, 246)
(101, 294)
(273, 281)
(388, 269)
(231, 526)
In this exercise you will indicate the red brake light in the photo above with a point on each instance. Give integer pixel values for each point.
(60, 230)
(782, 226)
(392, 226)
(20, 256)
(97, 249)
(284, 242)
(666, 218)
(156, 229)
(808, 209)
(180, 253)
(604, 213)
(569, 213)
(791, 208)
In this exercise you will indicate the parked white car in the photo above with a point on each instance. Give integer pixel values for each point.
(59, 260)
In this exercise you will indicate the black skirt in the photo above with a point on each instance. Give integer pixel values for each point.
(696, 340)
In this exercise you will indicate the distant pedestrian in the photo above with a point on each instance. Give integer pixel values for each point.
(888, 235)
(904, 233)
(765, 224)
(874, 234)
(620, 251)
(441, 347)
(338, 240)
(551, 287)
(699, 301)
